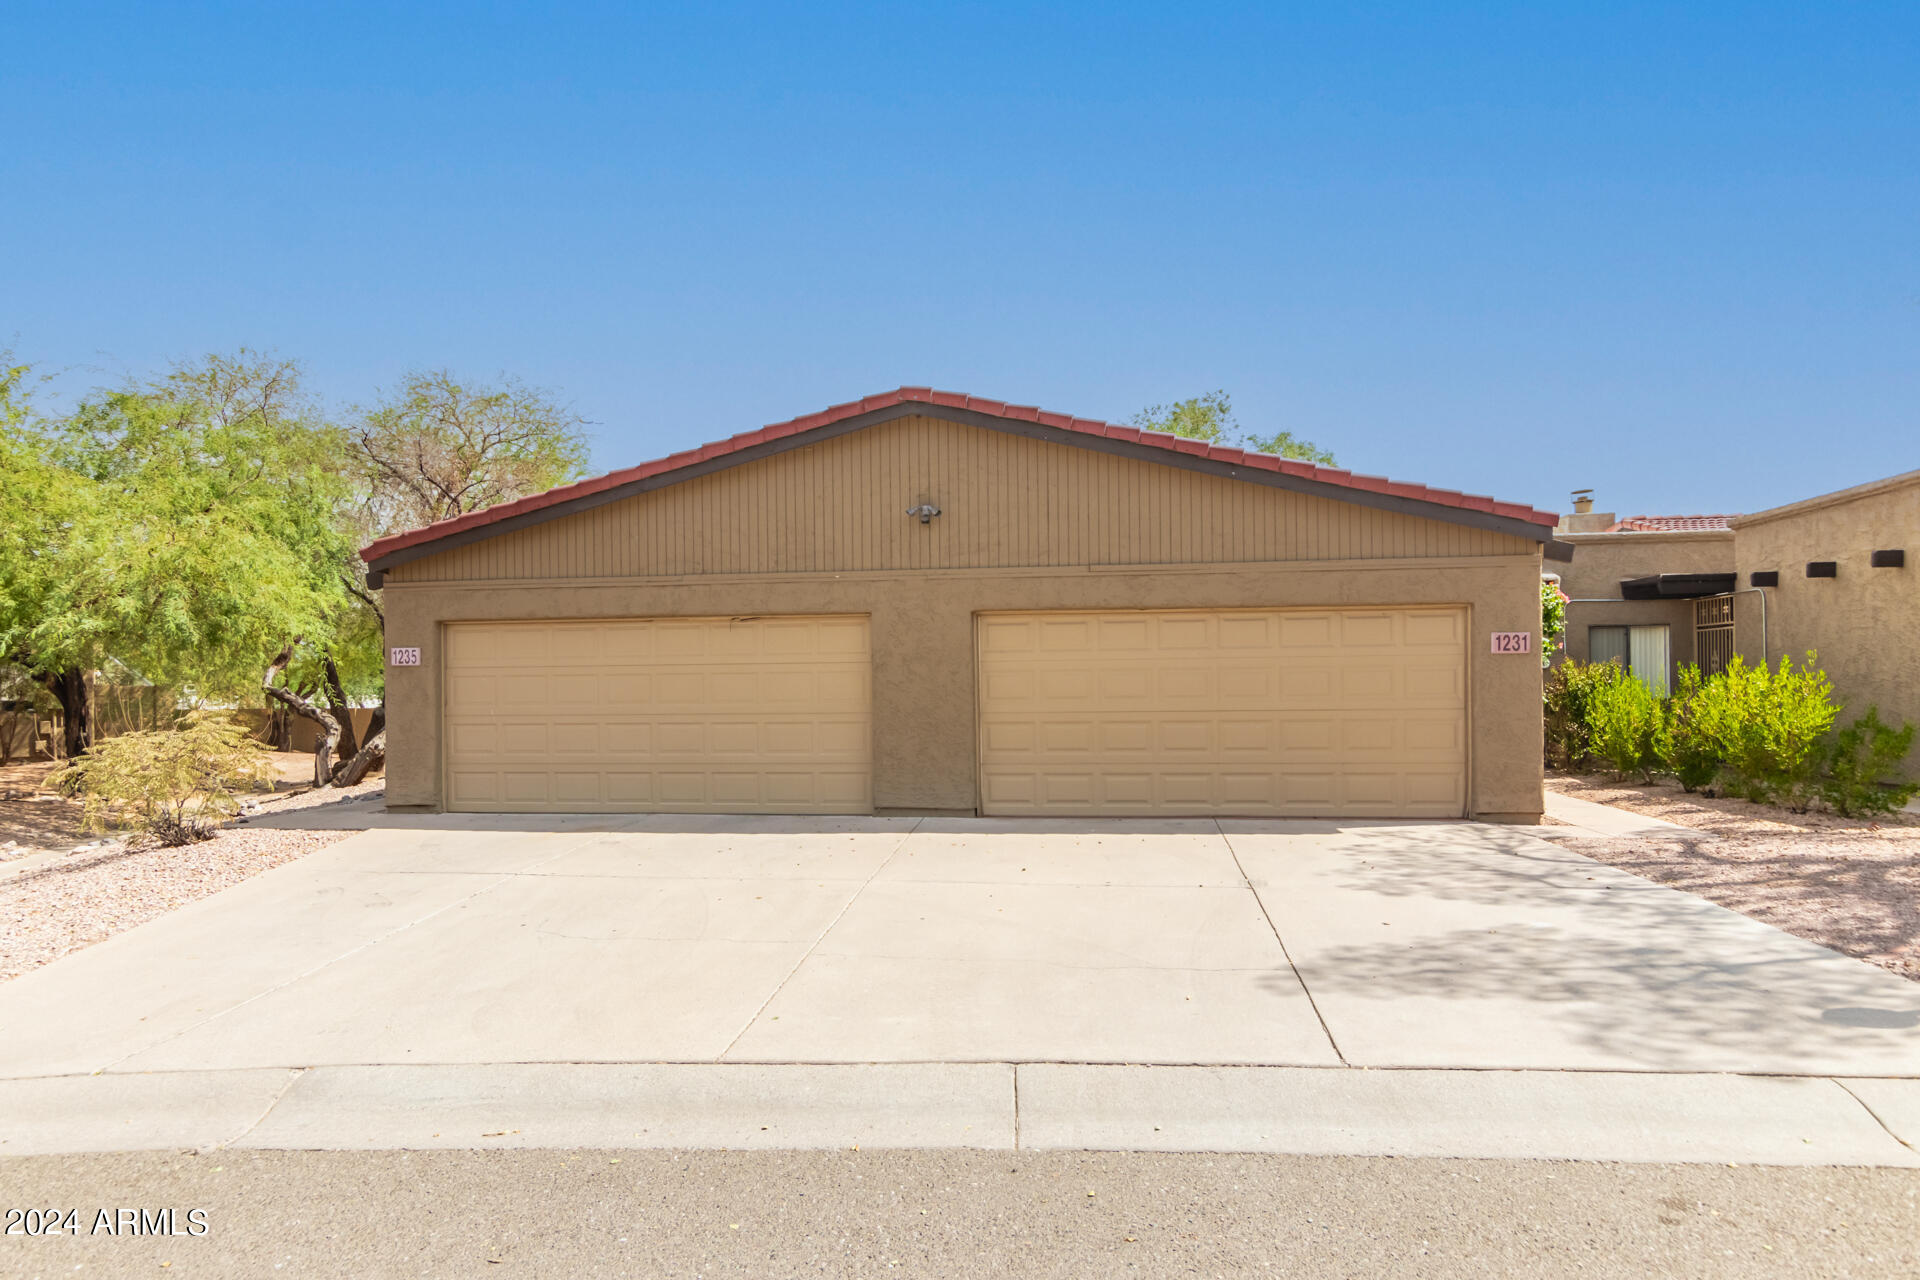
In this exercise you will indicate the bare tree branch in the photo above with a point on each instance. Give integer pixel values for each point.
(329, 727)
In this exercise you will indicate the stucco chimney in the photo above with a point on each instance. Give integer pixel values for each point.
(1584, 518)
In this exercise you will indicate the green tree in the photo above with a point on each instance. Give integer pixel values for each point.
(183, 529)
(1210, 417)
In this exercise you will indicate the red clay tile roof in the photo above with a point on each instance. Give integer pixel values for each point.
(1668, 524)
(956, 400)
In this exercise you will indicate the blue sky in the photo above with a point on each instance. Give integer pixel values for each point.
(1672, 256)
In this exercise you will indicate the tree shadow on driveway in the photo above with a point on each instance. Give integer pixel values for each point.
(1493, 948)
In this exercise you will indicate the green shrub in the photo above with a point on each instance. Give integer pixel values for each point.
(1569, 695)
(1859, 756)
(1688, 741)
(1625, 722)
(1769, 723)
(1553, 621)
(174, 784)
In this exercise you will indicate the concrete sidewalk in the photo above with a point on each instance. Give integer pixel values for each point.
(1604, 820)
(1619, 1116)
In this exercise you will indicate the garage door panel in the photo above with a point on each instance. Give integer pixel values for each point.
(578, 691)
(634, 789)
(1067, 737)
(531, 787)
(473, 787)
(470, 738)
(1008, 687)
(726, 714)
(523, 740)
(1435, 630)
(1318, 712)
(1127, 788)
(1120, 635)
(1441, 684)
(1186, 738)
(1439, 736)
(1240, 736)
(1006, 636)
(1300, 631)
(1306, 682)
(576, 788)
(845, 791)
(1063, 788)
(1361, 685)
(577, 647)
(627, 739)
(1009, 738)
(1440, 791)
(1125, 737)
(511, 693)
(1192, 632)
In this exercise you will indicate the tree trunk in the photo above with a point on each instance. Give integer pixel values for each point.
(76, 709)
(375, 752)
(329, 727)
(342, 709)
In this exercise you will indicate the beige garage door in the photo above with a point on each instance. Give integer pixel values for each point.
(1297, 712)
(673, 715)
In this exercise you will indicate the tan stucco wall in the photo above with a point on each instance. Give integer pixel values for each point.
(1865, 623)
(923, 662)
(1602, 560)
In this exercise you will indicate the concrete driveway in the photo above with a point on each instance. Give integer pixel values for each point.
(455, 943)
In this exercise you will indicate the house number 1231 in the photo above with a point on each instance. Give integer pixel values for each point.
(1513, 642)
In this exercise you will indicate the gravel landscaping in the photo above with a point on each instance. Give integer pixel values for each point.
(56, 898)
(1846, 883)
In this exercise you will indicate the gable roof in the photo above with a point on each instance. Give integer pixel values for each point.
(1669, 524)
(1377, 491)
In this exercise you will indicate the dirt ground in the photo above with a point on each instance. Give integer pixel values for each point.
(34, 819)
(62, 889)
(1846, 883)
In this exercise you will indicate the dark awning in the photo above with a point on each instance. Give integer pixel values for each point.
(1676, 586)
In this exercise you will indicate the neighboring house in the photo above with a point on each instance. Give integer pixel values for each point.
(1833, 574)
(923, 602)
(1648, 574)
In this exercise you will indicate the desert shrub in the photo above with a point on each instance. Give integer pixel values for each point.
(1625, 721)
(1688, 741)
(175, 784)
(1769, 723)
(1569, 696)
(1858, 758)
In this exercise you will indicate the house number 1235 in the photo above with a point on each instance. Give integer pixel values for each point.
(1513, 642)
(403, 657)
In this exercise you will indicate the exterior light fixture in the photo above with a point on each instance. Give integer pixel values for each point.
(1764, 578)
(1889, 559)
(926, 511)
(1823, 569)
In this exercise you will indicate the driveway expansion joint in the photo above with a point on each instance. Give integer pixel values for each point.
(838, 916)
(1298, 977)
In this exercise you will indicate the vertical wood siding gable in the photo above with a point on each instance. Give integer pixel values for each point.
(1006, 501)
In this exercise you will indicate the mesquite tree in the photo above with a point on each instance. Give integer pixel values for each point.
(180, 530)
